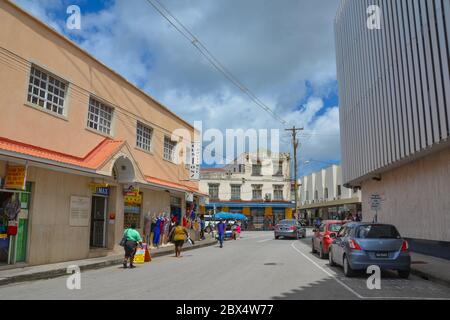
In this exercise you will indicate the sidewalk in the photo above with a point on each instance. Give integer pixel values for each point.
(431, 268)
(60, 269)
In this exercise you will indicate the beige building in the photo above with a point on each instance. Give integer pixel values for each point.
(257, 185)
(83, 152)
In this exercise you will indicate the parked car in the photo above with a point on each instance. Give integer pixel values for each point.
(289, 228)
(359, 245)
(324, 236)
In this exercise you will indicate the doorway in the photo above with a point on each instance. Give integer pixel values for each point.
(98, 222)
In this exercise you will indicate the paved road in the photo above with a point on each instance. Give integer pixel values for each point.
(254, 267)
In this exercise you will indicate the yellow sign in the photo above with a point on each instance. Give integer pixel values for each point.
(133, 199)
(15, 177)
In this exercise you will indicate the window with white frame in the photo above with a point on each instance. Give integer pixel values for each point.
(143, 136)
(235, 192)
(169, 148)
(46, 91)
(100, 116)
(257, 191)
(278, 192)
(256, 169)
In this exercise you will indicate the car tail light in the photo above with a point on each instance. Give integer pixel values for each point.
(354, 245)
(405, 246)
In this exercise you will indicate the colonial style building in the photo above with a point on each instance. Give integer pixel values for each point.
(323, 195)
(394, 92)
(83, 152)
(257, 185)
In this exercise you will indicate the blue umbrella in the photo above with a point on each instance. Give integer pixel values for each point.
(230, 216)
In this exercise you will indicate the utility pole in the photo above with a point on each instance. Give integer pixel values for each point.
(295, 145)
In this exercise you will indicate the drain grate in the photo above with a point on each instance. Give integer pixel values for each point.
(270, 264)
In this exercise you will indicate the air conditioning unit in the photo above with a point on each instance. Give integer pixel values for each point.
(268, 197)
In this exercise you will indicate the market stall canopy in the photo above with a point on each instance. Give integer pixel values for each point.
(230, 216)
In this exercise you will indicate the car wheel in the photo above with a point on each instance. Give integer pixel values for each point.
(404, 274)
(330, 258)
(276, 237)
(348, 271)
(312, 247)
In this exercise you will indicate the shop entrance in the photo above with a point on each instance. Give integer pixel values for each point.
(13, 248)
(98, 221)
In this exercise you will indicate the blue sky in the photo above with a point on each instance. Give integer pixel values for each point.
(285, 54)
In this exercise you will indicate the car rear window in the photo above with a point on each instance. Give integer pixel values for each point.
(334, 227)
(377, 231)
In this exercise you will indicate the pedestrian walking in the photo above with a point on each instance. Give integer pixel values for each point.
(179, 235)
(221, 232)
(132, 239)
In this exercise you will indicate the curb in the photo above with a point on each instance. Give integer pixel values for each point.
(430, 277)
(97, 265)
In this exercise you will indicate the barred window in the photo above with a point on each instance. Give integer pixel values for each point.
(46, 91)
(143, 136)
(235, 192)
(257, 192)
(278, 192)
(169, 149)
(214, 191)
(100, 116)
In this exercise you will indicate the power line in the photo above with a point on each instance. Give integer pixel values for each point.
(185, 32)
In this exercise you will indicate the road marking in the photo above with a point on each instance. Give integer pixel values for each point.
(328, 273)
(265, 240)
(353, 291)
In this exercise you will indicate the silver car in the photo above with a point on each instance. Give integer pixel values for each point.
(359, 245)
(289, 228)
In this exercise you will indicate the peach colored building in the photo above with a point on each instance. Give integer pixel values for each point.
(82, 135)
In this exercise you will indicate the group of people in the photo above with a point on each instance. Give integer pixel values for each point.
(222, 227)
(161, 230)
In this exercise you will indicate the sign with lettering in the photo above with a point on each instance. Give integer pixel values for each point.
(194, 165)
(15, 177)
(99, 188)
(133, 196)
(79, 211)
(375, 202)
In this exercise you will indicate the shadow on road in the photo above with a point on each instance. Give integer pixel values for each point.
(326, 288)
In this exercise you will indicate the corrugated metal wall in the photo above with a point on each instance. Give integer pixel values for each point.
(394, 82)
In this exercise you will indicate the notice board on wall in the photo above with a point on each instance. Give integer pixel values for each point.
(79, 211)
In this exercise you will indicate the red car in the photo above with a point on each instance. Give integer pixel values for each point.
(324, 236)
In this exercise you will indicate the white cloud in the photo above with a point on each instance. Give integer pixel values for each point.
(274, 47)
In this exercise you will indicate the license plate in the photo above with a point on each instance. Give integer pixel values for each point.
(381, 254)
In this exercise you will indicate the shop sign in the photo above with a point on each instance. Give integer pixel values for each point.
(133, 198)
(194, 165)
(99, 188)
(15, 177)
(79, 211)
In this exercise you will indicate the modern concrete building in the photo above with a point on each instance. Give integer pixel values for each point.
(257, 185)
(394, 89)
(83, 152)
(323, 195)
